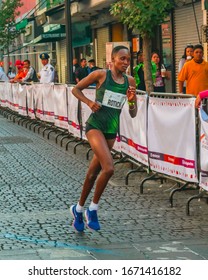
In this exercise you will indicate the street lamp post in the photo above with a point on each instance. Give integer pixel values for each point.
(69, 52)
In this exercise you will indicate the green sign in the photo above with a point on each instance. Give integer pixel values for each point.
(22, 24)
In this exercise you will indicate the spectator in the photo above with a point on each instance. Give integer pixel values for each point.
(31, 75)
(138, 72)
(161, 73)
(75, 67)
(187, 56)
(82, 71)
(195, 73)
(20, 72)
(11, 73)
(47, 73)
(91, 65)
(3, 76)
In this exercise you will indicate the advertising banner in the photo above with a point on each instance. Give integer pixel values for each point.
(15, 89)
(48, 103)
(60, 106)
(30, 101)
(172, 137)
(85, 110)
(74, 126)
(38, 97)
(133, 131)
(22, 100)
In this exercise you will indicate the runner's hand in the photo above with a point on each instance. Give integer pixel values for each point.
(131, 94)
(94, 106)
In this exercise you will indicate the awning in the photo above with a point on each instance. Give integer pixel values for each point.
(48, 37)
(81, 34)
(52, 33)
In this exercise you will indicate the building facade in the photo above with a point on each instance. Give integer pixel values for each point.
(92, 27)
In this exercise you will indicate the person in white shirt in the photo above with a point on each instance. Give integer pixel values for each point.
(47, 73)
(3, 76)
(11, 73)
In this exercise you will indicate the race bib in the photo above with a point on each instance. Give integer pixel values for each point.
(113, 100)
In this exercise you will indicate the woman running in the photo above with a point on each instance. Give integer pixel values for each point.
(112, 88)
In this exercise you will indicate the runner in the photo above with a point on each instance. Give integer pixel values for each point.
(112, 88)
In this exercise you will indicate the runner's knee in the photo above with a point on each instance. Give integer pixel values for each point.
(92, 176)
(109, 171)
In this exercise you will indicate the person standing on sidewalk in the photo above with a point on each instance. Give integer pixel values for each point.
(3, 76)
(47, 73)
(82, 71)
(187, 56)
(161, 73)
(112, 89)
(31, 75)
(75, 67)
(195, 73)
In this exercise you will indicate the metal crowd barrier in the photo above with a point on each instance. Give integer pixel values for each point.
(124, 157)
(202, 194)
(182, 185)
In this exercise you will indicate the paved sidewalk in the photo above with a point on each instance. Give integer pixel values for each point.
(39, 181)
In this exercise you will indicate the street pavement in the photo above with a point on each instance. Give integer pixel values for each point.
(40, 180)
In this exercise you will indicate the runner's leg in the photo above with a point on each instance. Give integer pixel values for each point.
(101, 148)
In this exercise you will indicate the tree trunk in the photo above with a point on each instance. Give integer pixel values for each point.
(147, 48)
(8, 60)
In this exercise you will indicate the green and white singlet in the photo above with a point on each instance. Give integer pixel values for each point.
(112, 96)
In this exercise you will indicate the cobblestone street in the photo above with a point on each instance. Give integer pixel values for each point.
(39, 181)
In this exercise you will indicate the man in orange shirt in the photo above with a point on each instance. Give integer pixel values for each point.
(195, 73)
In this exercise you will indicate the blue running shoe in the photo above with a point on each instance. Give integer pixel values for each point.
(78, 223)
(92, 219)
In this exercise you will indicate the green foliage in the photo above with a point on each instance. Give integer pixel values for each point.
(8, 15)
(143, 15)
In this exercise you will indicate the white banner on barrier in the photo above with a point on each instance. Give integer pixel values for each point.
(48, 103)
(15, 92)
(172, 137)
(30, 101)
(203, 181)
(86, 111)
(38, 97)
(9, 95)
(22, 100)
(60, 106)
(2, 95)
(74, 126)
(133, 131)
(117, 144)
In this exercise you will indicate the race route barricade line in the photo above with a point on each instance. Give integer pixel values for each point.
(168, 145)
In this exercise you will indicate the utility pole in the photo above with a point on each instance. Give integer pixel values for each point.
(69, 51)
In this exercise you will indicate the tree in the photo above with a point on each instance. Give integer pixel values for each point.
(8, 15)
(144, 15)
